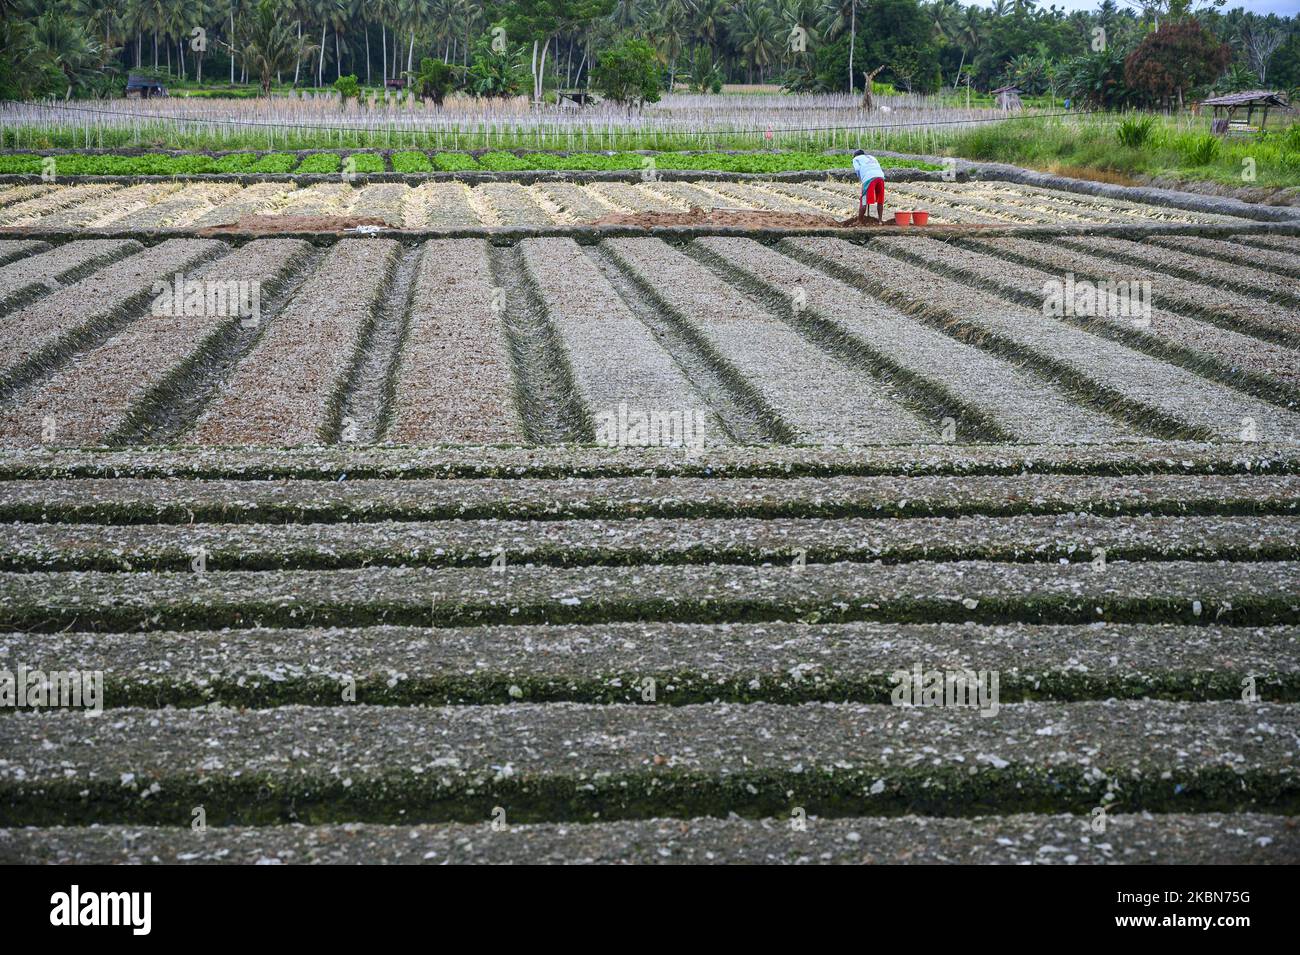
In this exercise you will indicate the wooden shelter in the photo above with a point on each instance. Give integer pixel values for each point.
(1008, 97)
(575, 99)
(143, 87)
(1226, 106)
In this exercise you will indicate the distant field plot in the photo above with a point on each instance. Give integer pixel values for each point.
(900, 340)
(444, 204)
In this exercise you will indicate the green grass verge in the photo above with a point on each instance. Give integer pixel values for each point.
(413, 161)
(1179, 148)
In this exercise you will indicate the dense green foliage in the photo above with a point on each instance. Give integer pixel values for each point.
(86, 47)
(434, 80)
(319, 163)
(348, 88)
(628, 73)
(413, 161)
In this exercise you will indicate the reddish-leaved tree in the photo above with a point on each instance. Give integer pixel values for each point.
(1174, 59)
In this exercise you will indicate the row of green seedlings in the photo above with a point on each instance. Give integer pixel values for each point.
(415, 161)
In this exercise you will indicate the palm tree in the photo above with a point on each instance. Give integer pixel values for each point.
(801, 14)
(470, 16)
(326, 11)
(272, 44)
(301, 11)
(838, 16)
(341, 15)
(105, 18)
(415, 15)
(381, 10)
(182, 17)
(946, 19)
(17, 39)
(971, 33)
(757, 34)
(153, 19)
(709, 23)
(671, 27)
(59, 40)
(202, 10)
(626, 14)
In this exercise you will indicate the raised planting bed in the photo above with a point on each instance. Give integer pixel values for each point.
(1203, 297)
(1155, 458)
(179, 210)
(794, 389)
(287, 389)
(1233, 594)
(780, 662)
(453, 381)
(9, 195)
(511, 204)
(576, 760)
(34, 275)
(43, 334)
(125, 382)
(35, 208)
(112, 207)
(257, 199)
(1151, 394)
(384, 201)
(629, 542)
(1243, 279)
(985, 396)
(327, 498)
(1268, 369)
(1024, 839)
(1271, 254)
(521, 200)
(439, 205)
(596, 332)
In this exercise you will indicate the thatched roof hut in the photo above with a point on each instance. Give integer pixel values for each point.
(1226, 106)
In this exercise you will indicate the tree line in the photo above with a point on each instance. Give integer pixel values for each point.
(1153, 53)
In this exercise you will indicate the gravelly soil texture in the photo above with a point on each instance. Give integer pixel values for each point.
(654, 549)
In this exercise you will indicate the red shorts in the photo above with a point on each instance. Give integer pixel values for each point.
(873, 191)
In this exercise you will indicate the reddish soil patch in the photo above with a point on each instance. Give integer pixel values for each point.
(741, 218)
(272, 225)
(1093, 175)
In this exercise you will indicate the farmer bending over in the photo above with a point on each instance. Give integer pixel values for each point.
(873, 186)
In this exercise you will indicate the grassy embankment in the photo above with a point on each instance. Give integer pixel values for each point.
(162, 164)
(1089, 146)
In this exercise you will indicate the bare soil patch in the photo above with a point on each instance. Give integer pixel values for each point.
(274, 225)
(742, 218)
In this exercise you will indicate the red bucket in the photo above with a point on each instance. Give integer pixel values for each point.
(920, 217)
(902, 218)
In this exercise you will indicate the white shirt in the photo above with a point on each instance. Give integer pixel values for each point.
(867, 168)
